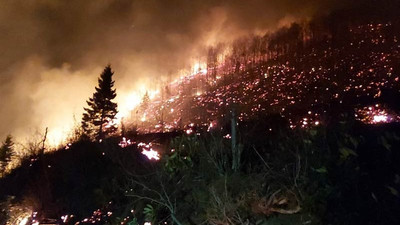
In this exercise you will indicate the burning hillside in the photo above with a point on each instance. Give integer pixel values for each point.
(300, 72)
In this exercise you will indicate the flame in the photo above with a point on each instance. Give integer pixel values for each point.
(58, 135)
(380, 119)
(199, 67)
(24, 221)
(151, 154)
(148, 151)
(128, 102)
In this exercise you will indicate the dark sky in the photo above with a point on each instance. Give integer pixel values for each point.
(52, 51)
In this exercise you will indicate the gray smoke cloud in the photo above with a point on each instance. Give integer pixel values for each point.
(52, 51)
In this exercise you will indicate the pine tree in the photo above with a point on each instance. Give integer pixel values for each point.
(6, 152)
(98, 117)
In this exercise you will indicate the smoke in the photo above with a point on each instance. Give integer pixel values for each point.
(52, 51)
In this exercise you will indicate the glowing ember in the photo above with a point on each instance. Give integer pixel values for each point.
(228, 136)
(375, 114)
(380, 119)
(211, 126)
(148, 150)
(64, 218)
(151, 154)
(67, 146)
(125, 142)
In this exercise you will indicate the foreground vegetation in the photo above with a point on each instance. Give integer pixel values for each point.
(344, 172)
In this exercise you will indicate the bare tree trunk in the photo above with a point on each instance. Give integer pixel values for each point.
(100, 134)
(44, 141)
(235, 149)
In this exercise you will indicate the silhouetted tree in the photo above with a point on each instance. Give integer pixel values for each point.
(97, 120)
(6, 152)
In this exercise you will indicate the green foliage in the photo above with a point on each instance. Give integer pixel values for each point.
(183, 149)
(217, 151)
(133, 222)
(346, 152)
(101, 109)
(149, 213)
(321, 170)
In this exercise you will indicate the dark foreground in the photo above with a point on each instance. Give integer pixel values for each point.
(345, 172)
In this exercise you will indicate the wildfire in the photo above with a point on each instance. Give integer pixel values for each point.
(380, 119)
(375, 114)
(57, 136)
(266, 87)
(127, 103)
(199, 67)
(129, 100)
(147, 148)
(125, 142)
(151, 154)
(143, 119)
(148, 151)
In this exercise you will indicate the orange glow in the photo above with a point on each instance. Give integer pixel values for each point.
(199, 67)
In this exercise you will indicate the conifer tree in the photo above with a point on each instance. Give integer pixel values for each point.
(97, 121)
(6, 152)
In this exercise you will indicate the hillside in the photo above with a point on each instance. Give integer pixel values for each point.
(299, 72)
